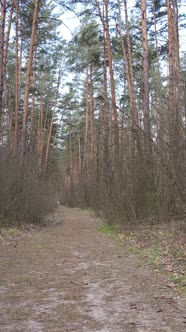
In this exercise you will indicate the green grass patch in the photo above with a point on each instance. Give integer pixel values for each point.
(178, 252)
(107, 229)
(24, 278)
(179, 280)
(110, 230)
(132, 250)
(153, 254)
(184, 289)
(10, 295)
(88, 210)
(10, 231)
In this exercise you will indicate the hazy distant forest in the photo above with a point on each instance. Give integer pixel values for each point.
(97, 121)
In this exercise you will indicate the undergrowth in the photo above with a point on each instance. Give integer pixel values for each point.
(161, 246)
(25, 195)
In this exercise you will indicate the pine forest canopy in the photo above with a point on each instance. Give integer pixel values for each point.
(104, 111)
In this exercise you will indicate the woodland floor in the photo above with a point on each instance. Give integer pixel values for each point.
(70, 277)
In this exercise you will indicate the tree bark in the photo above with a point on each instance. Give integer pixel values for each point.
(28, 74)
(145, 84)
(32, 115)
(105, 22)
(85, 159)
(104, 150)
(7, 41)
(40, 130)
(79, 152)
(127, 56)
(92, 124)
(2, 40)
(51, 122)
(70, 158)
(173, 44)
(17, 79)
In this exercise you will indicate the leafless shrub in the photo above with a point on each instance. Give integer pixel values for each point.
(132, 192)
(24, 195)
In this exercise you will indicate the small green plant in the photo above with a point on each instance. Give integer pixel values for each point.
(134, 250)
(24, 278)
(108, 229)
(89, 210)
(178, 252)
(154, 254)
(179, 280)
(10, 231)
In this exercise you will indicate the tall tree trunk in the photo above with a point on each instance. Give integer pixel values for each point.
(92, 124)
(85, 157)
(17, 79)
(33, 81)
(32, 115)
(159, 101)
(105, 124)
(2, 40)
(127, 55)
(79, 152)
(58, 127)
(112, 81)
(11, 107)
(145, 87)
(105, 22)
(132, 95)
(71, 168)
(52, 120)
(174, 116)
(40, 130)
(7, 41)
(28, 73)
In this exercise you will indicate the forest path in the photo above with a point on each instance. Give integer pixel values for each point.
(69, 277)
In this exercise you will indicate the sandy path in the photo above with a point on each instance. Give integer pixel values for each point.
(68, 277)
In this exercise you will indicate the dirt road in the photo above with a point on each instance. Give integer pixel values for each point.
(69, 277)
